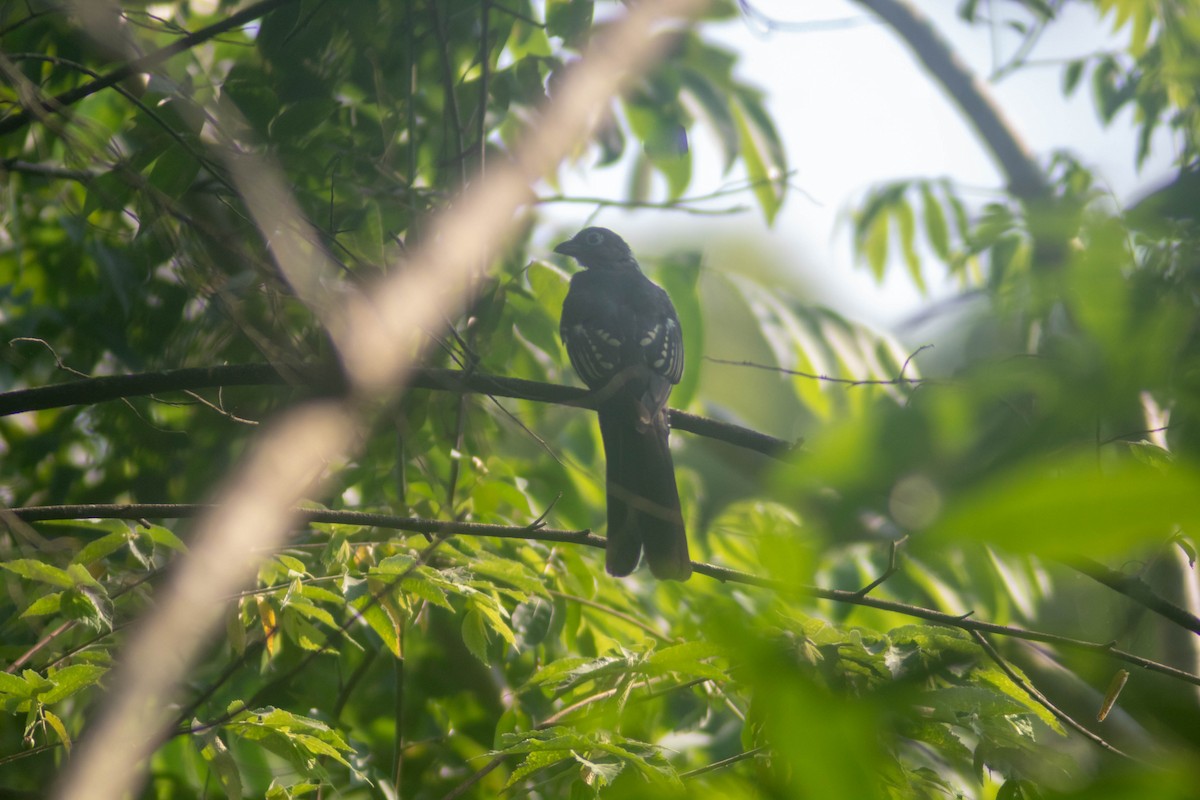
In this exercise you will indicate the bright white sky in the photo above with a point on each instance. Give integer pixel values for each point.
(855, 109)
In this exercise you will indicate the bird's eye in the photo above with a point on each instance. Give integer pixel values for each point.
(594, 237)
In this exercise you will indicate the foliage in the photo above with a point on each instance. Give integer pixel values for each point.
(371, 661)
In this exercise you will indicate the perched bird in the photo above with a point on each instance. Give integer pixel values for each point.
(622, 335)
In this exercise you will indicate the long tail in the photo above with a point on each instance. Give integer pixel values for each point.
(643, 500)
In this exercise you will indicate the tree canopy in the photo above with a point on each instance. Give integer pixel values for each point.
(291, 254)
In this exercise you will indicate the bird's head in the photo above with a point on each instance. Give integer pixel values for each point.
(598, 248)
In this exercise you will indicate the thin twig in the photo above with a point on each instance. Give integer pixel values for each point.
(965, 622)
(889, 571)
(1042, 700)
(725, 762)
(612, 612)
(897, 381)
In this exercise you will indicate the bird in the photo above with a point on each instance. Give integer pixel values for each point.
(623, 338)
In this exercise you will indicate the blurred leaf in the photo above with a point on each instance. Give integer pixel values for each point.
(174, 171)
(762, 178)
(568, 19)
(1071, 76)
(1069, 505)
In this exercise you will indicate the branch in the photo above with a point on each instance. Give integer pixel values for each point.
(1041, 699)
(61, 101)
(1024, 177)
(46, 170)
(899, 380)
(963, 622)
(1135, 589)
(588, 539)
(324, 379)
(137, 511)
(684, 204)
(723, 763)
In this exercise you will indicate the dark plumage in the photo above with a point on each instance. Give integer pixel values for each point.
(622, 335)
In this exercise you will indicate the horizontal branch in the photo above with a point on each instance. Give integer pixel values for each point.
(45, 170)
(588, 539)
(966, 623)
(140, 511)
(88, 391)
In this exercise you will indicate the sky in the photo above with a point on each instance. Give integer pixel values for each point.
(855, 109)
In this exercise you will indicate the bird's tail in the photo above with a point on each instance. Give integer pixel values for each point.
(643, 500)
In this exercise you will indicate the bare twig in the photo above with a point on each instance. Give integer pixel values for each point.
(891, 567)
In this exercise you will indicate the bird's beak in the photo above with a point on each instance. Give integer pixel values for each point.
(567, 248)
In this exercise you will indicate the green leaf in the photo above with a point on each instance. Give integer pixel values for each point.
(1071, 76)
(715, 104)
(110, 191)
(293, 565)
(936, 228)
(302, 632)
(87, 606)
(99, 548)
(762, 182)
(561, 669)
(664, 141)
(306, 734)
(875, 246)
(83, 579)
(569, 19)
(531, 621)
(46, 604)
(222, 764)
(60, 730)
(251, 91)
(536, 760)
(12, 685)
(39, 571)
(368, 239)
(69, 680)
(995, 677)
(164, 537)
(493, 614)
(175, 171)
(688, 658)
(421, 586)
(907, 227)
(377, 618)
(511, 572)
(474, 634)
